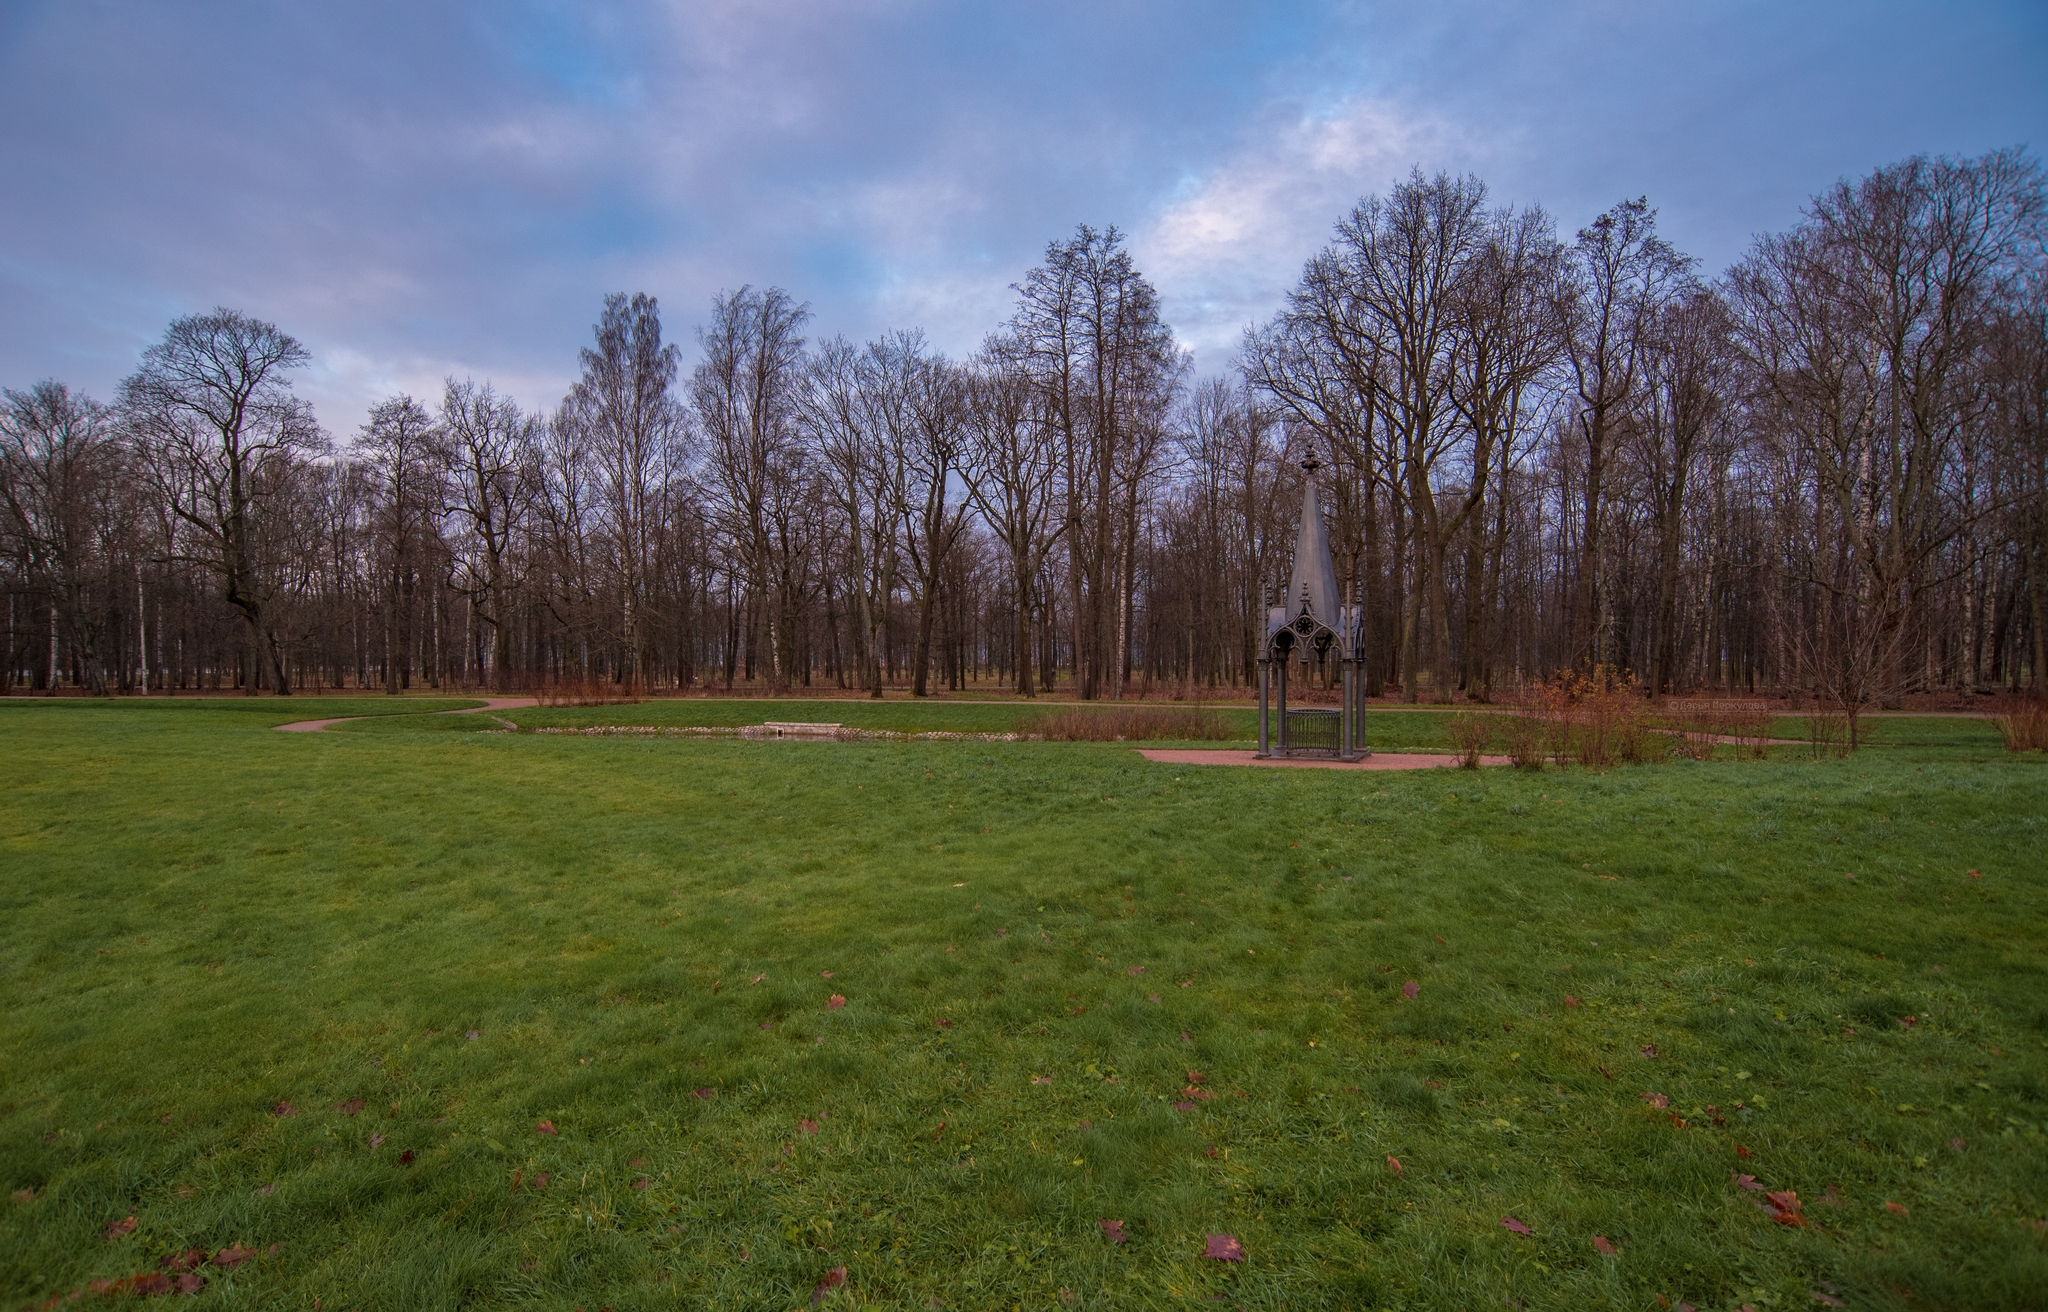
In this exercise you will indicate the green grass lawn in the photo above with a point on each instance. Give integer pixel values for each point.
(427, 943)
(1387, 730)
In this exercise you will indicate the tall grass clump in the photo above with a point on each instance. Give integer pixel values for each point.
(1129, 725)
(2025, 727)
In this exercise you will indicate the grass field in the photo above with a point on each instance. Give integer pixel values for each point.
(425, 944)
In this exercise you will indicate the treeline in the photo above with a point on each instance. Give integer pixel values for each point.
(1825, 471)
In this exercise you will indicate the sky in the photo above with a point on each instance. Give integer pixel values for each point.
(423, 189)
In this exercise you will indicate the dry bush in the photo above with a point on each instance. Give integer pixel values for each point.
(1751, 726)
(584, 692)
(1596, 718)
(1126, 725)
(1522, 735)
(1471, 735)
(2024, 727)
(1827, 728)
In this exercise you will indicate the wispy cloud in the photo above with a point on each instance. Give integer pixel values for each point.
(1224, 250)
(420, 187)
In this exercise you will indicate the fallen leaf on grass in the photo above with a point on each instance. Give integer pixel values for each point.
(706, 1094)
(547, 1127)
(284, 1109)
(1135, 970)
(405, 1159)
(1185, 1106)
(807, 1127)
(540, 1181)
(767, 1024)
(376, 1142)
(1570, 1001)
(1113, 1231)
(1186, 1037)
(637, 1161)
(1975, 875)
(119, 1229)
(1196, 1077)
(1896, 1209)
(1740, 1151)
(1748, 1182)
(1510, 1223)
(227, 1259)
(833, 1279)
(1785, 1207)
(1410, 989)
(824, 974)
(189, 1284)
(266, 1189)
(1656, 1100)
(1041, 1079)
(640, 1184)
(942, 1023)
(1602, 1245)
(349, 1108)
(1224, 1248)
(24, 1195)
(1828, 1299)
(1908, 1022)
(189, 1260)
(154, 1283)
(757, 979)
(835, 1002)
(1394, 1164)
(473, 1035)
(1649, 1050)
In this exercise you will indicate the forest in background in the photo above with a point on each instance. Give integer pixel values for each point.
(1823, 472)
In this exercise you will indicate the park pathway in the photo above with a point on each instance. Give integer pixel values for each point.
(490, 704)
(1377, 761)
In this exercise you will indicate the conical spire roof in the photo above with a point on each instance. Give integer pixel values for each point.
(1315, 572)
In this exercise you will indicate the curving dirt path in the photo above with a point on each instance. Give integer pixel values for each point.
(490, 704)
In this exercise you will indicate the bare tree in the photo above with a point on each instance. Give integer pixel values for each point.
(212, 411)
(60, 476)
(1011, 462)
(634, 429)
(1619, 275)
(399, 448)
(745, 393)
(486, 456)
(1864, 324)
(1090, 325)
(844, 414)
(1687, 389)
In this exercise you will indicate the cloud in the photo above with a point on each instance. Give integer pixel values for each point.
(1225, 251)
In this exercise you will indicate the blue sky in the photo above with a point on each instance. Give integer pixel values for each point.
(421, 188)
